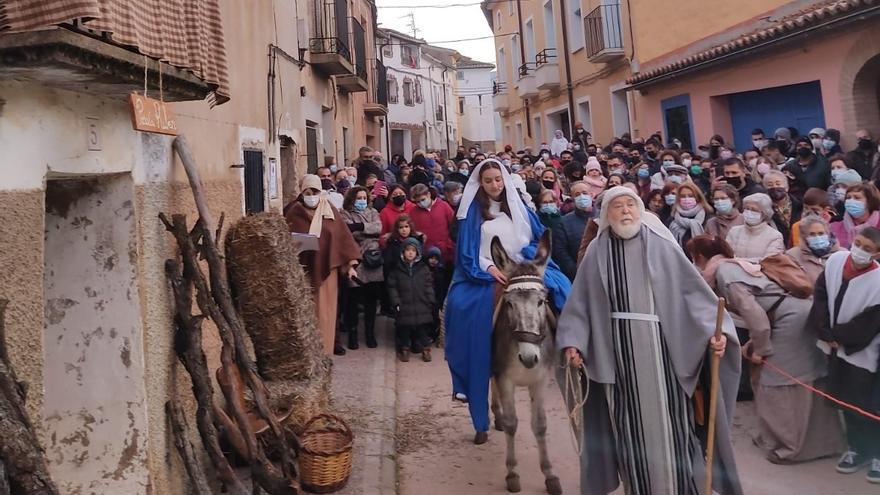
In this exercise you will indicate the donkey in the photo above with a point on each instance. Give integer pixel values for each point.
(523, 351)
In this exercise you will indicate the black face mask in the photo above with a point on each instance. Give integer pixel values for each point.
(777, 193)
(736, 182)
(398, 200)
(804, 153)
(866, 144)
(563, 161)
(548, 184)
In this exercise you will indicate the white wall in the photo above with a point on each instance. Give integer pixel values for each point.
(478, 120)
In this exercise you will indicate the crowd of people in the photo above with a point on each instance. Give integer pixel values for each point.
(732, 212)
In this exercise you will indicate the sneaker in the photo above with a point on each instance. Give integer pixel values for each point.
(874, 472)
(850, 462)
(460, 397)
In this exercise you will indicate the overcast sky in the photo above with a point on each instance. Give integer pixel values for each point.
(435, 25)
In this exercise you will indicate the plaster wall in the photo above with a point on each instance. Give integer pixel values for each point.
(94, 409)
(793, 65)
(477, 122)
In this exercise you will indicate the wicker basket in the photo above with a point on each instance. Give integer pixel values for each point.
(325, 458)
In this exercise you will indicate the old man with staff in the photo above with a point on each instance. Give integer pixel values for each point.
(645, 354)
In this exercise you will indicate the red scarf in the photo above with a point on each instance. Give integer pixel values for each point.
(850, 271)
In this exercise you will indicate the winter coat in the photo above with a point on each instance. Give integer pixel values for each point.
(367, 227)
(813, 265)
(719, 226)
(755, 243)
(567, 238)
(411, 288)
(390, 213)
(434, 223)
(394, 248)
(816, 174)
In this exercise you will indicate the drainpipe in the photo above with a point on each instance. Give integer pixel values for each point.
(522, 54)
(566, 54)
(445, 110)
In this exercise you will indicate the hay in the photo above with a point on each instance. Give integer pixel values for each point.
(274, 298)
(416, 429)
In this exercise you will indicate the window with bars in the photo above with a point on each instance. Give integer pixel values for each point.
(408, 92)
(393, 90)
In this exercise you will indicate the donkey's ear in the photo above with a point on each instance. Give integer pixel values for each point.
(499, 255)
(542, 255)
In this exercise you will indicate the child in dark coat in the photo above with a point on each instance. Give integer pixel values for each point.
(438, 272)
(411, 289)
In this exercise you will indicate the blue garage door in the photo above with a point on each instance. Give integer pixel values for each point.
(798, 105)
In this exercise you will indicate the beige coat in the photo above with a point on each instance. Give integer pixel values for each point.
(755, 243)
(812, 264)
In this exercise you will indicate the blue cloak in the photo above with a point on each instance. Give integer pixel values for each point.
(469, 309)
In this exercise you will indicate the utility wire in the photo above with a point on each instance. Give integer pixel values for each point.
(447, 41)
(439, 6)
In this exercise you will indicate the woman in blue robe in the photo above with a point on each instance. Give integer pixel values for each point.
(490, 206)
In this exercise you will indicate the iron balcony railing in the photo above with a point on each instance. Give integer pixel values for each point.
(545, 56)
(602, 30)
(439, 113)
(379, 89)
(526, 69)
(499, 87)
(360, 50)
(330, 26)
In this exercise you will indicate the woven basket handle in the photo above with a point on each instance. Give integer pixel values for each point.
(332, 419)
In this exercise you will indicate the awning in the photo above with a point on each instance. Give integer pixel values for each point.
(822, 14)
(187, 34)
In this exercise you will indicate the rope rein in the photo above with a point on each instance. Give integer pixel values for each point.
(573, 394)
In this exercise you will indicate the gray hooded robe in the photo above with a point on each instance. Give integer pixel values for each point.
(686, 307)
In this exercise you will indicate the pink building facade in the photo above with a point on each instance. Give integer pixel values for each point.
(823, 72)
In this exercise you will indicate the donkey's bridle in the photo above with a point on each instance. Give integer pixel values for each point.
(527, 282)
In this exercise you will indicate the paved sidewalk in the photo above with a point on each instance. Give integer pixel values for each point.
(364, 393)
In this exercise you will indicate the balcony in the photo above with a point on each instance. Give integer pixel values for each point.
(603, 34)
(547, 71)
(499, 97)
(438, 114)
(377, 100)
(330, 51)
(356, 82)
(73, 59)
(527, 87)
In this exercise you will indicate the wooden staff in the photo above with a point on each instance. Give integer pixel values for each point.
(713, 401)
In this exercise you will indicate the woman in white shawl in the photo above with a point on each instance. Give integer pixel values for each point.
(490, 206)
(559, 143)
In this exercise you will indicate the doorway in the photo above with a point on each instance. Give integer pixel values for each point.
(677, 120)
(289, 173)
(254, 188)
(94, 410)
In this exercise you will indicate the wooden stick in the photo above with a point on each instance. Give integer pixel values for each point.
(180, 429)
(181, 146)
(713, 401)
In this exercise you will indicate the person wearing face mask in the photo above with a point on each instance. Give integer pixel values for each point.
(550, 182)
(642, 177)
(786, 208)
(725, 201)
(666, 160)
(758, 140)
(433, 218)
(365, 225)
(651, 155)
(570, 231)
(756, 239)
(548, 210)
(831, 143)
(861, 210)
(698, 171)
(366, 166)
(844, 315)
(816, 202)
(861, 158)
(338, 254)
(734, 173)
(461, 172)
(716, 143)
(810, 170)
(816, 135)
(668, 193)
(782, 138)
(793, 426)
(396, 205)
(816, 244)
(689, 213)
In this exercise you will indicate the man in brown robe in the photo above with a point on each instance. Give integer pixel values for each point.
(338, 253)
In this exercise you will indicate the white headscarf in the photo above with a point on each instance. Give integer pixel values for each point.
(647, 219)
(518, 211)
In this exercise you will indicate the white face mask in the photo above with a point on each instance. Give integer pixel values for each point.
(753, 217)
(860, 257)
(311, 201)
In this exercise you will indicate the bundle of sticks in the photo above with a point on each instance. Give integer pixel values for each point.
(237, 375)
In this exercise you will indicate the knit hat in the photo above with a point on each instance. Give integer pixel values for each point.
(434, 252)
(593, 164)
(311, 181)
(676, 168)
(817, 131)
(782, 132)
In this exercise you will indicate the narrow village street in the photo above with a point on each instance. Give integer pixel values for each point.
(412, 439)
